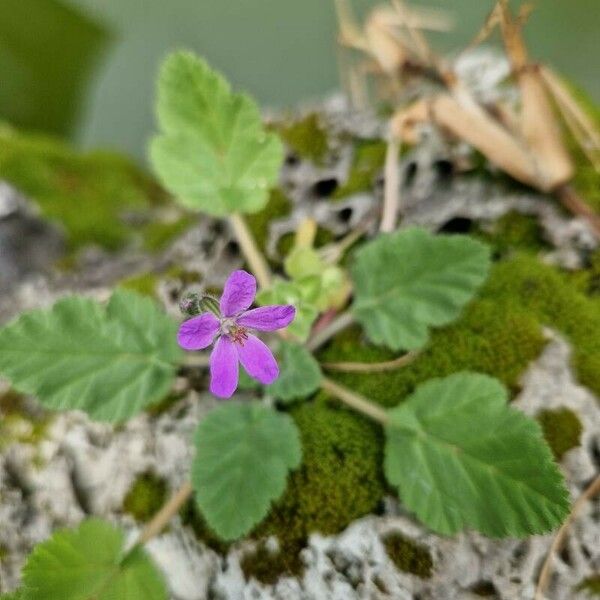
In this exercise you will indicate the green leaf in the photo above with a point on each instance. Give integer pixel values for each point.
(88, 563)
(109, 361)
(299, 376)
(243, 455)
(303, 295)
(461, 458)
(213, 154)
(410, 280)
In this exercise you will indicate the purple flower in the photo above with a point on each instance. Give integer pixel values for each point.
(229, 325)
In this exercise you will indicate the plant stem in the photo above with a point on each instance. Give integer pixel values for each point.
(592, 490)
(196, 360)
(254, 257)
(391, 193)
(360, 367)
(355, 401)
(338, 324)
(165, 514)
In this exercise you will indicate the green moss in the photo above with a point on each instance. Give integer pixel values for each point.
(591, 585)
(267, 566)
(278, 206)
(525, 283)
(500, 333)
(409, 556)
(368, 160)
(87, 193)
(146, 497)
(562, 430)
(144, 283)
(17, 425)
(306, 137)
(513, 231)
(158, 235)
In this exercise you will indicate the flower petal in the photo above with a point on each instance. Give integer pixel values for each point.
(223, 368)
(268, 318)
(238, 294)
(258, 360)
(199, 332)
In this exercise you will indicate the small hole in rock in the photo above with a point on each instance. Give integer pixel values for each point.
(444, 169)
(410, 173)
(291, 160)
(457, 225)
(232, 248)
(485, 589)
(325, 187)
(345, 215)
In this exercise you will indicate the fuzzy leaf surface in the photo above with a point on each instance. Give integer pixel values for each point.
(213, 152)
(299, 376)
(110, 362)
(410, 280)
(88, 563)
(462, 458)
(244, 452)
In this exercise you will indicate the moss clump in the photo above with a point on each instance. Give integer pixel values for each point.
(409, 556)
(144, 283)
(369, 158)
(306, 137)
(513, 231)
(87, 193)
(277, 207)
(562, 430)
(158, 235)
(591, 585)
(266, 565)
(146, 497)
(526, 284)
(17, 425)
(485, 339)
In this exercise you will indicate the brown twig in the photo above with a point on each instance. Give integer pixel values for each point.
(592, 490)
(338, 324)
(361, 367)
(165, 514)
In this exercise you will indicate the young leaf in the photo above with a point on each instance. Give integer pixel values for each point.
(213, 154)
(303, 295)
(410, 280)
(110, 362)
(299, 374)
(243, 455)
(461, 458)
(89, 562)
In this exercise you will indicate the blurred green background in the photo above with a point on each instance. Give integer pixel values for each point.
(89, 69)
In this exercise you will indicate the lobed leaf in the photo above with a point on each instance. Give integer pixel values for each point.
(410, 280)
(243, 455)
(299, 376)
(110, 362)
(89, 563)
(213, 153)
(462, 458)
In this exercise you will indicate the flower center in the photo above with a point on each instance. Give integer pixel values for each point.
(238, 334)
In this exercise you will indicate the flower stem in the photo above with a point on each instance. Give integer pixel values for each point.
(355, 401)
(165, 514)
(374, 367)
(254, 257)
(391, 194)
(338, 324)
(196, 360)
